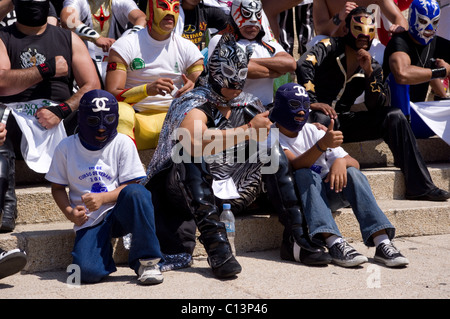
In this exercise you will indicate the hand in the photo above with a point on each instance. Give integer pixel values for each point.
(442, 64)
(104, 43)
(188, 85)
(337, 176)
(365, 61)
(325, 109)
(161, 86)
(46, 118)
(92, 201)
(61, 67)
(2, 133)
(349, 6)
(332, 138)
(395, 28)
(78, 215)
(261, 124)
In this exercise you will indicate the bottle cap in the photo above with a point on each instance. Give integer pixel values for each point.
(226, 206)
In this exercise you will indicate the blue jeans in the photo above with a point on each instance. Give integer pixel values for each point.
(133, 213)
(318, 203)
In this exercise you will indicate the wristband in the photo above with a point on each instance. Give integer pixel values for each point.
(62, 110)
(318, 147)
(136, 28)
(87, 33)
(336, 19)
(47, 69)
(439, 73)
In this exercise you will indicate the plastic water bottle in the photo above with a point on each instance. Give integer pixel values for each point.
(227, 218)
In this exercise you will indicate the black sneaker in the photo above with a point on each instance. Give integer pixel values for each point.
(291, 251)
(11, 262)
(345, 255)
(435, 194)
(389, 255)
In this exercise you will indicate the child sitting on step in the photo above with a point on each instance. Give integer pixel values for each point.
(328, 178)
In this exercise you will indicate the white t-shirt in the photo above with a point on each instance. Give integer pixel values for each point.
(149, 59)
(263, 87)
(85, 171)
(306, 139)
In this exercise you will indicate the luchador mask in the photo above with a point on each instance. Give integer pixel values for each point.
(247, 12)
(228, 64)
(361, 25)
(101, 14)
(32, 13)
(290, 99)
(158, 9)
(423, 20)
(98, 116)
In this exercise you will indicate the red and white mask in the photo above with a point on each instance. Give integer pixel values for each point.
(247, 12)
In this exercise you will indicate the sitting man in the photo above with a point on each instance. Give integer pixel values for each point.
(415, 59)
(335, 72)
(37, 85)
(216, 162)
(147, 69)
(269, 60)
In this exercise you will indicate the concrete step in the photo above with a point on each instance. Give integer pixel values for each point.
(36, 204)
(374, 153)
(48, 245)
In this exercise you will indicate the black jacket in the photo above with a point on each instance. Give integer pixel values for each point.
(322, 71)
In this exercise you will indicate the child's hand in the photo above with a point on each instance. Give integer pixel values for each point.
(78, 215)
(337, 176)
(92, 201)
(332, 138)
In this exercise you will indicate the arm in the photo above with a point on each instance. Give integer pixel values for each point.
(323, 17)
(191, 76)
(405, 73)
(272, 67)
(137, 17)
(70, 20)
(394, 15)
(216, 140)
(76, 215)
(3, 132)
(273, 8)
(6, 6)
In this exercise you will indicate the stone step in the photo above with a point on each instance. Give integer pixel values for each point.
(36, 204)
(48, 245)
(374, 153)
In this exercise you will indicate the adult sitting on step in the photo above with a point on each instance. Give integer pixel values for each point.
(335, 72)
(36, 85)
(148, 69)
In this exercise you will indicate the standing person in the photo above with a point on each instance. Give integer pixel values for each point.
(268, 61)
(327, 179)
(335, 72)
(147, 70)
(415, 59)
(100, 167)
(37, 85)
(203, 178)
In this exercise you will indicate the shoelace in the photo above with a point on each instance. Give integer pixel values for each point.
(389, 249)
(346, 248)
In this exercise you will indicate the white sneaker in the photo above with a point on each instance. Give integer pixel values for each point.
(149, 273)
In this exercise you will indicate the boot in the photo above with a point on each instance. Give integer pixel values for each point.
(195, 183)
(7, 186)
(8, 200)
(296, 244)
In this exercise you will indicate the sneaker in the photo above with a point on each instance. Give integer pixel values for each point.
(345, 255)
(12, 262)
(228, 269)
(149, 273)
(389, 255)
(291, 251)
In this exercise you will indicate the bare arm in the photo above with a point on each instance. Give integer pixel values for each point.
(272, 67)
(6, 6)
(137, 17)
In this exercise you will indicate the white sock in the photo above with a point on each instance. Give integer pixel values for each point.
(333, 239)
(383, 238)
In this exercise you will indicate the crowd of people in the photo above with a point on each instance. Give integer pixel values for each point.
(215, 89)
